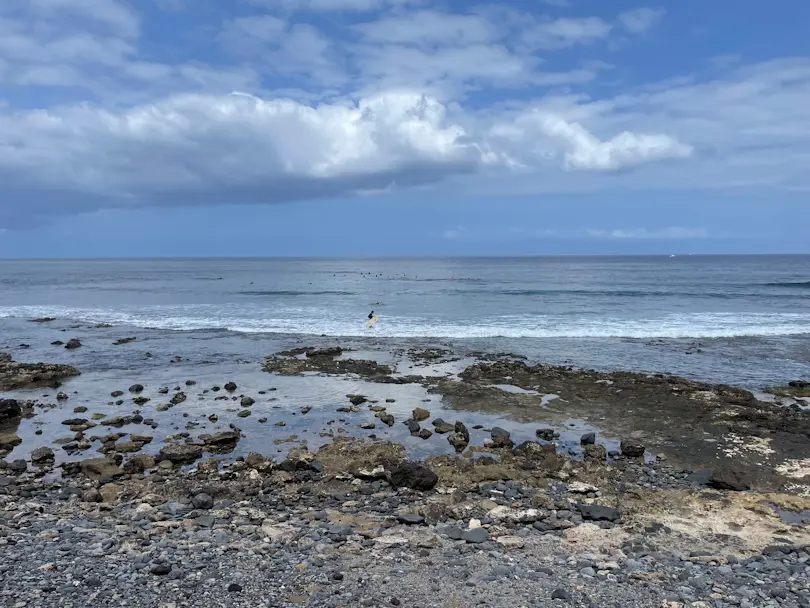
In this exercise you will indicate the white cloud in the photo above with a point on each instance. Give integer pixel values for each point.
(332, 5)
(672, 232)
(563, 33)
(640, 20)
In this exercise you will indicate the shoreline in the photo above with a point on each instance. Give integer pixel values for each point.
(682, 487)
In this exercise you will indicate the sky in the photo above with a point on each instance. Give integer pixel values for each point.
(144, 128)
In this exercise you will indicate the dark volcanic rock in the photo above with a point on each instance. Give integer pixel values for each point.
(73, 343)
(588, 439)
(356, 399)
(413, 475)
(9, 408)
(598, 513)
(247, 401)
(501, 438)
(413, 426)
(731, 477)
(124, 340)
(230, 386)
(136, 388)
(546, 434)
(410, 519)
(178, 398)
(100, 468)
(476, 535)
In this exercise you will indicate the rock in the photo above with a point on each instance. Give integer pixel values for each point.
(180, 452)
(234, 588)
(368, 426)
(357, 399)
(413, 426)
(127, 447)
(259, 462)
(247, 401)
(202, 501)
(596, 452)
(387, 418)
(332, 351)
(135, 388)
(18, 466)
(73, 343)
(501, 438)
(420, 414)
(410, 519)
(425, 434)
(588, 439)
(120, 341)
(632, 448)
(731, 477)
(510, 542)
(277, 533)
(442, 427)
(60, 396)
(476, 535)
(560, 594)
(230, 386)
(598, 513)
(306, 410)
(222, 439)
(92, 495)
(116, 393)
(244, 413)
(41, 455)
(9, 408)
(178, 398)
(531, 450)
(100, 468)
(546, 434)
(458, 442)
(413, 475)
(139, 464)
(15, 375)
(161, 569)
(579, 487)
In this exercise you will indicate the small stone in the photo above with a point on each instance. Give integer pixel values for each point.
(588, 439)
(161, 569)
(202, 501)
(234, 588)
(632, 448)
(247, 401)
(476, 535)
(244, 413)
(419, 414)
(135, 388)
(560, 594)
(410, 519)
(230, 386)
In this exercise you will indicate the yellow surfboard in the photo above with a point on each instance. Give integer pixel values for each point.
(372, 321)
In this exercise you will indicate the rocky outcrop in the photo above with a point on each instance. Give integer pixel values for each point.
(412, 475)
(15, 375)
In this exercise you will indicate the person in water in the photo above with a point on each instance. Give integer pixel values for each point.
(371, 315)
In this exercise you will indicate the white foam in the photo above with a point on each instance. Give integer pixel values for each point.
(313, 321)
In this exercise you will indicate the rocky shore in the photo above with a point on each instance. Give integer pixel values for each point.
(701, 500)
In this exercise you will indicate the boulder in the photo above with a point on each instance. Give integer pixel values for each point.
(731, 477)
(139, 464)
(100, 468)
(598, 513)
(135, 388)
(357, 399)
(413, 426)
(9, 408)
(180, 452)
(387, 418)
(230, 386)
(546, 434)
(73, 343)
(588, 439)
(596, 452)
(178, 398)
(247, 401)
(412, 475)
(442, 427)
(420, 414)
(124, 341)
(632, 448)
(42, 455)
(501, 438)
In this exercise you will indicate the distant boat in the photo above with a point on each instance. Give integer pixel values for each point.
(672, 255)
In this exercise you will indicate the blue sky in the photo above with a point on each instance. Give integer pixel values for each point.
(403, 127)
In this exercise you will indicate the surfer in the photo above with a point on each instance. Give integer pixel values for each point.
(371, 315)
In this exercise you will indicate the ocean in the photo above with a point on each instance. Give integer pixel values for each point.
(741, 320)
